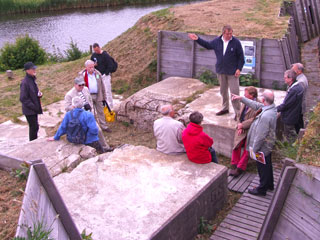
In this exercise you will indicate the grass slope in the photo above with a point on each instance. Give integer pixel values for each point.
(135, 50)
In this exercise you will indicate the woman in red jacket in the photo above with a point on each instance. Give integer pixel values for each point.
(196, 142)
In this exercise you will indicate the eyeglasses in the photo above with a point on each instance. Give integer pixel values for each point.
(81, 85)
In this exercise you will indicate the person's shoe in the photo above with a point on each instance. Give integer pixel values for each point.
(232, 172)
(255, 192)
(233, 166)
(108, 130)
(238, 172)
(222, 112)
(110, 149)
(271, 188)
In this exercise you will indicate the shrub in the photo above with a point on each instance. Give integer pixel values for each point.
(248, 80)
(25, 49)
(73, 52)
(208, 77)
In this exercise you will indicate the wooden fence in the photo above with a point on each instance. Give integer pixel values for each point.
(180, 56)
(306, 19)
(294, 212)
(42, 203)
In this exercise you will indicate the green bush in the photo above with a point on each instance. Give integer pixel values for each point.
(208, 77)
(73, 52)
(248, 80)
(25, 49)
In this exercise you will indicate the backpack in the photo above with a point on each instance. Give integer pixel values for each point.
(75, 132)
(114, 65)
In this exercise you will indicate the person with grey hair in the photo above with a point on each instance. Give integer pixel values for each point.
(261, 137)
(168, 132)
(197, 143)
(230, 60)
(88, 124)
(93, 81)
(303, 81)
(291, 107)
(80, 90)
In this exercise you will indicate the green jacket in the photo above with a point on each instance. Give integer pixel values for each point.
(262, 133)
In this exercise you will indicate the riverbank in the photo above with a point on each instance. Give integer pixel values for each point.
(36, 6)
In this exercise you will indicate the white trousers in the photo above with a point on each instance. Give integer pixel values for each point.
(106, 79)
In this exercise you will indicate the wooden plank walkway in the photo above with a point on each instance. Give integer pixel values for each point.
(245, 219)
(241, 183)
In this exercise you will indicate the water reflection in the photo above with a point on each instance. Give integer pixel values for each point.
(84, 26)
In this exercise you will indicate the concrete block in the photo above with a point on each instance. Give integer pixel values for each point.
(140, 193)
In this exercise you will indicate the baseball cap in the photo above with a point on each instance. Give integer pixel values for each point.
(29, 65)
(79, 80)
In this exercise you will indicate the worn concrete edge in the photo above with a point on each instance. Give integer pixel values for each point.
(8, 163)
(193, 199)
(311, 171)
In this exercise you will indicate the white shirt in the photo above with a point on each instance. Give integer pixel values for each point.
(168, 134)
(92, 82)
(225, 44)
(303, 81)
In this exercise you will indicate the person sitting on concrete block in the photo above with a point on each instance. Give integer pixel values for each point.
(239, 161)
(88, 124)
(168, 132)
(197, 143)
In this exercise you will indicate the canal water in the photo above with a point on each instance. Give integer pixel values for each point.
(84, 27)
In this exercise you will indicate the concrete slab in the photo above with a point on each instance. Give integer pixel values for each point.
(220, 128)
(139, 193)
(59, 156)
(142, 108)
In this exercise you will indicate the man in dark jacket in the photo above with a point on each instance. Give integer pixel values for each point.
(104, 64)
(30, 99)
(291, 107)
(230, 60)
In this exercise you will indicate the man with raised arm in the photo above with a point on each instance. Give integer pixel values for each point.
(230, 60)
(261, 137)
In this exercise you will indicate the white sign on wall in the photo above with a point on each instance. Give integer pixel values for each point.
(249, 51)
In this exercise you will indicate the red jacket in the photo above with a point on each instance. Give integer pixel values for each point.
(197, 143)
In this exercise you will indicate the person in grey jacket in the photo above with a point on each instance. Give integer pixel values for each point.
(261, 137)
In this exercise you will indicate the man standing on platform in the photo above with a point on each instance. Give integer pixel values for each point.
(230, 60)
(93, 81)
(30, 99)
(303, 81)
(261, 137)
(104, 64)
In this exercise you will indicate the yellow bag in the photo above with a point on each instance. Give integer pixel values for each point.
(110, 115)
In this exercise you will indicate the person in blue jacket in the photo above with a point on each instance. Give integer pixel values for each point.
(230, 60)
(87, 121)
(291, 107)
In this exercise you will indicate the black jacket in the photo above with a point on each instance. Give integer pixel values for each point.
(104, 61)
(233, 58)
(29, 96)
(291, 106)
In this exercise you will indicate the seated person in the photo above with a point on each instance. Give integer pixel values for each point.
(168, 132)
(87, 121)
(198, 144)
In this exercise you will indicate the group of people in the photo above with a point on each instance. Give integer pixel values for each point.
(256, 118)
(86, 100)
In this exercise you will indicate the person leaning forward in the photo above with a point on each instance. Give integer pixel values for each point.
(30, 99)
(80, 90)
(93, 80)
(230, 60)
(261, 137)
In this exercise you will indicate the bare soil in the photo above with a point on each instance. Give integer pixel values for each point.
(11, 194)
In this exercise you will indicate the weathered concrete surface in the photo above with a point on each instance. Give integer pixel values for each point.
(59, 155)
(142, 108)
(139, 193)
(220, 128)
